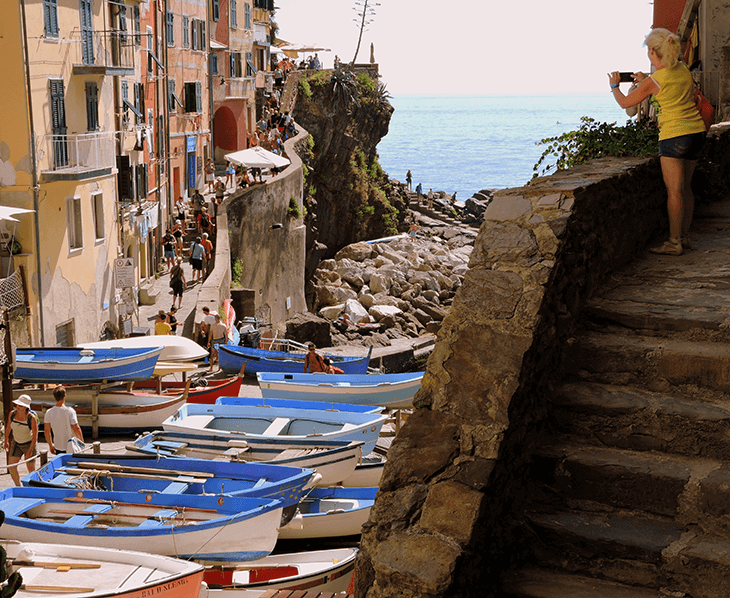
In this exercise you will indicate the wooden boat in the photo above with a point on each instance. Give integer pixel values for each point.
(174, 348)
(259, 419)
(85, 366)
(75, 571)
(207, 395)
(116, 411)
(140, 473)
(209, 529)
(393, 391)
(330, 512)
(368, 472)
(332, 460)
(314, 571)
(232, 358)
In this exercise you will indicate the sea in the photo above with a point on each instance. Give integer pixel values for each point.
(469, 143)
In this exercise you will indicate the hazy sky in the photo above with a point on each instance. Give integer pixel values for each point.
(481, 47)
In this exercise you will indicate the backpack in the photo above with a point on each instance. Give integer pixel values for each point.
(204, 220)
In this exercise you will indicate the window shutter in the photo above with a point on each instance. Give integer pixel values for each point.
(234, 16)
(58, 107)
(92, 107)
(194, 33)
(50, 9)
(202, 44)
(141, 107)
(124, 178)
(216, 10)
(170, 93)
(198, 96)
(231, 65)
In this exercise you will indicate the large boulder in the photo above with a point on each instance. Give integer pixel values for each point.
(305, 327)
(379, 312)
(356, 312)
(331, 295)
(358, 252)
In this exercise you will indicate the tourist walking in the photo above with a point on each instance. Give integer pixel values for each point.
(205, 324)
(169, 244)
(210, 175)
(180, 209)
(198, 204)
(196, 259)
(207, 255)
(177, 283)
(230, 176)
(409, 179)
(429, 199)
(21, 437)
(60, 425)
(681, 129)
(204, 223)
(419, 191)
(177, 233)
(220, 191)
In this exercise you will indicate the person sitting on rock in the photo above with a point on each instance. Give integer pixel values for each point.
(331, 369)
(343, 321)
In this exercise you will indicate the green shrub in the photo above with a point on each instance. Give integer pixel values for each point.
(294, 210)
(596, 140)
(305, 88)
(236, 270)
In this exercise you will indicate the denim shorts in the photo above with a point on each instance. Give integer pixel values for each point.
(685, 147)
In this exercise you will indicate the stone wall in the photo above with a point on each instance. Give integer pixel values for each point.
(441, 521)
(270, 241)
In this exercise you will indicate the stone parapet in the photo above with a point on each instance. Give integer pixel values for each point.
(454, 469)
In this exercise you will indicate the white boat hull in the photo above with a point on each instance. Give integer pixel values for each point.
(174, 348)
(99, 572)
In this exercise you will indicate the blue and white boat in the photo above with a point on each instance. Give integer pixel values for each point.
(330, 512)
(393, 391)
(208, 529)
(138, 473)
(65, 365)
(232, 358)
(333, 460)
(260, 419)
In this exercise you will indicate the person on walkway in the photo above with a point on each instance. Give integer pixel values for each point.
(177, 233)
(419, 190)
(180, 210)
(177, 283)
(162, 328)
(681, 129)
(60, 424)
(413, 230)
(220, 192)
(196, 259)
(210, 175)
(409, 179)
(216, 336)
(198, 204)
(169, 244)
(205, 224)
(205, 324)
(429, 199)
(172, 320)
(207, 255)
(313, 361)
(230, 176)
(21, 437)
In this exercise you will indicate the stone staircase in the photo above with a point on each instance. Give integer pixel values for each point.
(437, 212)
(629, 485)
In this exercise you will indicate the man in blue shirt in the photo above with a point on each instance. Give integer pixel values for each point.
(196, 259)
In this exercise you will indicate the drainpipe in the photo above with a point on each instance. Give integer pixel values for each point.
(33, 174)
(211, 105)
(166, 105)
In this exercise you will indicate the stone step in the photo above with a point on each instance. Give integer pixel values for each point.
(635, 551)
(650, 361)
(643, 481)
(545, 583)
(636, 419)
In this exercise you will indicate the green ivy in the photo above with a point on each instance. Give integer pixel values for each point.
(237, 270)
(305, 88)
(294, 210)
(310, 147)
(595, 140)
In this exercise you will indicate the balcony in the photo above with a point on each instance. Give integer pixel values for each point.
(241, 88)
(104, 52)
(77, 157)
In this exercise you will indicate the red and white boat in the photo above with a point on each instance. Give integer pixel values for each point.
(207, 395)
(71, 571)
(314, 571)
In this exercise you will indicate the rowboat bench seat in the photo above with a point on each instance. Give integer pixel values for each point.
(87, 359)
(159, 518)
(177, 487)
(87, 515)
(169, 445)
(276, 426)
(13, 507)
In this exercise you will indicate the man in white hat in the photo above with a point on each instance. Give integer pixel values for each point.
(21, 437)
(60, 424)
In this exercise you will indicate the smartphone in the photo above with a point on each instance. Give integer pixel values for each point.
(626, 77)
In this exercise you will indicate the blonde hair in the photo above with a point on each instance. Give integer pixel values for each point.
(666, 44)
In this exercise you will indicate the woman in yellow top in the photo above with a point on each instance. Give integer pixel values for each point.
(681, 129)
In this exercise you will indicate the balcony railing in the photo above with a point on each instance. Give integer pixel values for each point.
(77, 156)
(105, 52)
(241, 88)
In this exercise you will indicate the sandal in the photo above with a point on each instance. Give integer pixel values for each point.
(670, 247)
(686, 242)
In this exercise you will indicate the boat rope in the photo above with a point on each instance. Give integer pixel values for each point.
(15, 465)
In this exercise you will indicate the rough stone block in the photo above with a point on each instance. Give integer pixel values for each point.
(549, 201)
(452, 509)
(508, 207)
(491, 294)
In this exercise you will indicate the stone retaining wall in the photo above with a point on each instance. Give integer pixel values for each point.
(441, 521)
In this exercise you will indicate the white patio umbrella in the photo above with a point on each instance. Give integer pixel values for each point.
(257, 157)
(7, 213)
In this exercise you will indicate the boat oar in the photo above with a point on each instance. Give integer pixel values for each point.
(99, 501)
(173, 477)
(55, 565)
(57, 589)
(118, 516)
(130, 469)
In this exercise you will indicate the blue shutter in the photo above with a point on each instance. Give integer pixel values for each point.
(50, 16)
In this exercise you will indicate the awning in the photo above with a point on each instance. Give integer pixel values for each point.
(7, 213)
(214, 45)
(257, 157)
